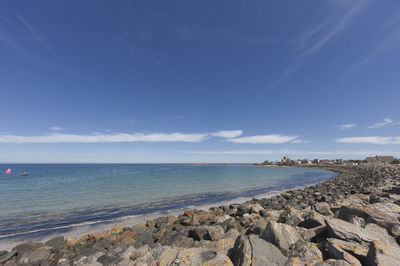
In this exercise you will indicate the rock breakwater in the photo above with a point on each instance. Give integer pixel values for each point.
(351, 219)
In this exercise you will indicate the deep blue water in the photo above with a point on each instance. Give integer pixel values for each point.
(59, 195)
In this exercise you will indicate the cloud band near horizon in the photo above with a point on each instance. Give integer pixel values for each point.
(370, 140)
(228, 135)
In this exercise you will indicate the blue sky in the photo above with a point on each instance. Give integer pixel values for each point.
(190, 81)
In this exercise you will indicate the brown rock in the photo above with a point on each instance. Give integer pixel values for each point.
(127, 237)
(171, 219)
(189, 213)
(117, 228)
(150, 223)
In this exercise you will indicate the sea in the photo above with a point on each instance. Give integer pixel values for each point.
(74, 199)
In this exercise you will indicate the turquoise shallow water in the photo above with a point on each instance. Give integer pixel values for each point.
(54, 197)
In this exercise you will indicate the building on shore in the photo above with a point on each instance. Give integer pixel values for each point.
(306, 162)
(339, 161)
(285, 160)
(380, 159)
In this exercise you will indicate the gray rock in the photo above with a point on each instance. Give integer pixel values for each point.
(196, 256)
(281, 235)
(395, 232)
(215, 233)
(199, 233)
(312, 219)
(7, 256)
(125, 262)
(370, 215)
(382, 253)
(257, 228)
(322, 208)
(357, 221)
(57, 242)
(108, 259)
(336, 252)
(176, 239)
(35, 256)
(224, 245)
(128, 252)
(25, 247)
(165, 255)
(357, 250)
(307, 253)
(313, 234)
(347, 231)
(252, 250)
(242, 209)
(333, 262)
(290, 216)
(255, 208)
(207, 255)
(145, 238)
(143, 255)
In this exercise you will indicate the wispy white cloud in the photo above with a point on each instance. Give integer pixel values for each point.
(346, 126)
(11, 29)
(295, 152)
(297, 141)
(389, 38)
(36, 35)
(386, 122)
(321, 34)
(265, 139)
(228, 134)
(370, 140)
(98, 138)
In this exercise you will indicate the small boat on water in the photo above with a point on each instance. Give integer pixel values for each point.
(24, 174)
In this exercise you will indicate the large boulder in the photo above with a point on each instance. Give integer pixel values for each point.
(165, 255)
(333, 262)
(290, 216)
(383, 253)
(252, 250)
(212, 233)
(322, 208)
(336, 252)
(306, 253)
(36, 256)
(312, 219)
(223, 245)
(281, 235)
(370, 215)
(196, 256)
(189, 256)
(176, 239)
(357, 250)
(141, 256)
(25, 247)
(257, 227)
(347, 231)
(56, 242)
(7, 256)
